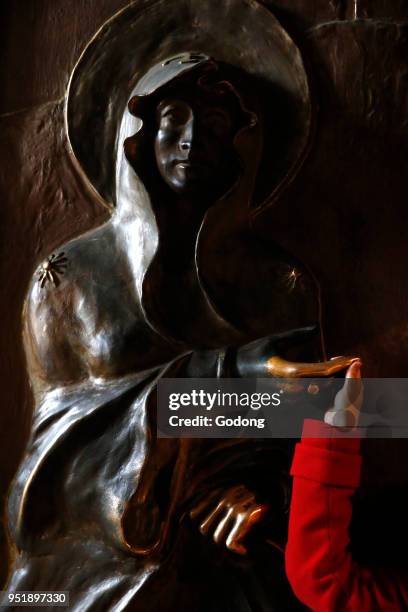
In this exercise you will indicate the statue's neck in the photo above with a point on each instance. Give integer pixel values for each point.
(179, 223)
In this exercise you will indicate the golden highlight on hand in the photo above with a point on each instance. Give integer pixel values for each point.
(230, 520)
(282, 368)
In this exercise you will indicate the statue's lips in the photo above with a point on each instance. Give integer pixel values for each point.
(193, 166)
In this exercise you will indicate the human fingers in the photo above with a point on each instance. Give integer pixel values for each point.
(348, 401)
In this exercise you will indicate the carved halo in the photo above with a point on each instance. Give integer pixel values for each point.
(242, 33)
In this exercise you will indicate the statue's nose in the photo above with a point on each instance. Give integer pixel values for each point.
(187, 136)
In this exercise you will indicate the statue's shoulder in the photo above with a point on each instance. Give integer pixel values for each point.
(51, 325)
(56, 274)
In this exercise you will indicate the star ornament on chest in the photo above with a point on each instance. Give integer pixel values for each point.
(51, 270)
(292, 278)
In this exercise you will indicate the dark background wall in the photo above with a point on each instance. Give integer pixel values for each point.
(345, 215)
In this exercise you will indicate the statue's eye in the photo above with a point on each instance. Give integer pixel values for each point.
(173, 115)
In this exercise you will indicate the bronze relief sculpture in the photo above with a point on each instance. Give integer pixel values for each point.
(189, 137)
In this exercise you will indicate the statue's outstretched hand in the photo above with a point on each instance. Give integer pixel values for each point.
(229, 517)
(264, 357)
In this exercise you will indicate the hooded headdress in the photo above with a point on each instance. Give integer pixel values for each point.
(140, 52)
(240, 33)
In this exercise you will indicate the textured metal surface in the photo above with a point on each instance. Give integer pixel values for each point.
(348, 205)
(45, 205)
(353, 186)
(54, 35)
(301, 15)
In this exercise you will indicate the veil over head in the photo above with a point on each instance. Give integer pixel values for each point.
(130, 54)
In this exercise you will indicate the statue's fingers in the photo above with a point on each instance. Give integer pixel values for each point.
(243, 525)
(239, 495)
(233, 541)
(232, 497)
(283, 368)
(204, 505)
(223, 527)
(209, 523)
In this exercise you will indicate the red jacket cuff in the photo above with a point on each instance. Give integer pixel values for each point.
(319, 434)
(326, 466)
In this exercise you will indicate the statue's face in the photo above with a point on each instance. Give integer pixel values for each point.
(194, 147)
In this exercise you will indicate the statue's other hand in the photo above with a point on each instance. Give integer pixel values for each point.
(229, 516)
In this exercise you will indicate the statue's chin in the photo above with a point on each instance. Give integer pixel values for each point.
(199, 189)
(196, 190)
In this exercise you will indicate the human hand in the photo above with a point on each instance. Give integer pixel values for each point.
(348, 401)
(229, 517)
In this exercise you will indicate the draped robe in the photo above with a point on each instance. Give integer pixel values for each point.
(99, 506)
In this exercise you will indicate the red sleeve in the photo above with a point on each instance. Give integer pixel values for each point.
(326, 472)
